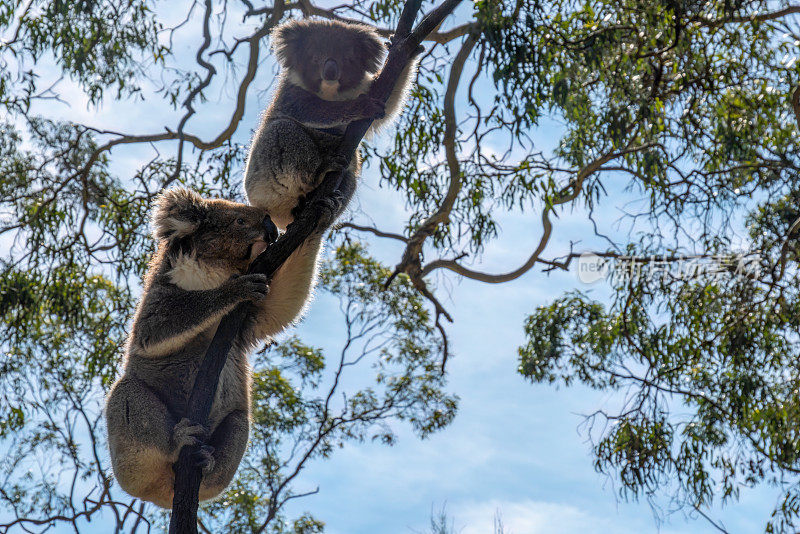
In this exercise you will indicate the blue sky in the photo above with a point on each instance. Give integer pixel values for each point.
(514, 448)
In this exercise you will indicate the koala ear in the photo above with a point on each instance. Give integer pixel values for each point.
(177, 213)
(370, 49)
(287, 42)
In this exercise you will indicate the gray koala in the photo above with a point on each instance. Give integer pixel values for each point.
(327, 67)
(195, 277)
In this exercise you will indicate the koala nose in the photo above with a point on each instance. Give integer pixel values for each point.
(270, 230)
(330, 70)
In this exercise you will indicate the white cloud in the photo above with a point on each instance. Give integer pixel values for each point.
(527, 517)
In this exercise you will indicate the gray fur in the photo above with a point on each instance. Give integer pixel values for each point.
(300, 129)
(195, 277)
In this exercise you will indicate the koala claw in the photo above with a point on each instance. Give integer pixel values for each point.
(187, 433)
(252, 286)
(298, 209)
(336, 163)
(203, 457)
(372, 108)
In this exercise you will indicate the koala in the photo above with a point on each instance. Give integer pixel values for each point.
(196, 276)
(327, 68)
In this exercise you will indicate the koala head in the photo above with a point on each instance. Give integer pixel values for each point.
(328, 56)
(212, 230)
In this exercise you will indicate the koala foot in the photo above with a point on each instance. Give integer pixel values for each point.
(187, 433)
(203, 458)
(371, 108)
(250, 286)
(328, 210)
(298, 209)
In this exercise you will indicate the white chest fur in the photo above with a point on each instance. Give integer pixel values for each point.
(191, 274)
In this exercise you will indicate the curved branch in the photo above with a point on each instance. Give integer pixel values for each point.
(410, 262)
(574, 190)
(497, 278)
(254, 42)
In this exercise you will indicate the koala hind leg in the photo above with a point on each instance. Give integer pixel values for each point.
(228, 441)
(140, 429)
(332, 206)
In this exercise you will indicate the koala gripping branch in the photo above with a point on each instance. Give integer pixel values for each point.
(404, 46)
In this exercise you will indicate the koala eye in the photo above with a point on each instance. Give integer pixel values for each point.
(240, 221)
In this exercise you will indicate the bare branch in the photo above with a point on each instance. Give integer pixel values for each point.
(410, 262)
(567, 195)
(754, 17)
(796, 105)
(170, 135)
(372, 230)
(310, 10)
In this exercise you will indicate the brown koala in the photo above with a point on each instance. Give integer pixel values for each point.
(327, 67)
(196, 276)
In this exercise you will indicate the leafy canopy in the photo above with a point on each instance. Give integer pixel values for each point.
(691, 106)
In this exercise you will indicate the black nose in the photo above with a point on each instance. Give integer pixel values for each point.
(330, 70)
(270, 230)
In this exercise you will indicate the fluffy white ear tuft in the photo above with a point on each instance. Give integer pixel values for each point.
(287, 42)
(177, 213)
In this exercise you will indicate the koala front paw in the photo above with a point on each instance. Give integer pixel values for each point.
(298, 209)
(371, 108)
(251, 286)
(393, 41)
(187, 433)
(203, 458)
(336, 163)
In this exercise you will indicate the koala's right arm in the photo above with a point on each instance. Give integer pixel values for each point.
(170, 316)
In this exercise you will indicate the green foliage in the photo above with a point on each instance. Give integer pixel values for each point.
(99, 44)
(686, 103)
(707, 102)
(692, 103)
(710, 380)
